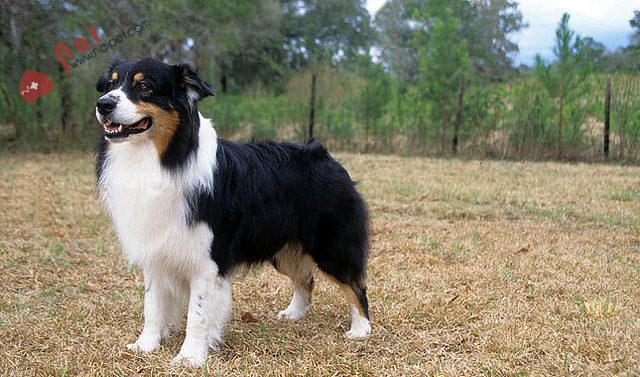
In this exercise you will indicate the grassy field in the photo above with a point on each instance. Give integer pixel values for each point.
(476, 268)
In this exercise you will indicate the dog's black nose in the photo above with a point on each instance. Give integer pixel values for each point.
(105, 105)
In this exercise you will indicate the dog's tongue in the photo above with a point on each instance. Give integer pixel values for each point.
(140, 124)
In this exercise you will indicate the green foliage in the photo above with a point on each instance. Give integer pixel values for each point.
(563, 81)
(490, 45)
(487, 26)
(568, 71)
(329, 30)
(531, 133)
(444, 61)
(635, 24)
(260, 55)
(373, 97)
(625, 119)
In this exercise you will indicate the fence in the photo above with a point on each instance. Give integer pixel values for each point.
(516, 120)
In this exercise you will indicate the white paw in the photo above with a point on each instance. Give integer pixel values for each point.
(145, 345)
(357, 332)
(291, 314)
(195, 360)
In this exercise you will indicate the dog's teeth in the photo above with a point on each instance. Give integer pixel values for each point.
(120, 128)
(107, 123)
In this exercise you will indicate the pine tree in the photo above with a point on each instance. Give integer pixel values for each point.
(444, 60)
(562, 78)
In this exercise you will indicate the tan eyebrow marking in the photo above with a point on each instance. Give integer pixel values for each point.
(138, 77)
(114, 76)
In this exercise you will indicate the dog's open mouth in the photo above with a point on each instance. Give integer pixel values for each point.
(115, 130)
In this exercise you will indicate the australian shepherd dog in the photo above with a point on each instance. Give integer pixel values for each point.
(189, 208)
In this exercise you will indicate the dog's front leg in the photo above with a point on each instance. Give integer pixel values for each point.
(161, 309)
(209, 309)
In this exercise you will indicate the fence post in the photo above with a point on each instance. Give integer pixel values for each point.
(607, 107)
(312, 106)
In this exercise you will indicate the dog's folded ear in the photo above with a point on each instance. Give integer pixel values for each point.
(101, 85)
(191, 83)
(115, 62)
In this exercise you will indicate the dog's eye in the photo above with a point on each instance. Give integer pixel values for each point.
(144, 87)
(109, 85)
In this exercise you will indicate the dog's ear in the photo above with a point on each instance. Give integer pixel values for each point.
(101, 85)
(191, 83)
(116, 62)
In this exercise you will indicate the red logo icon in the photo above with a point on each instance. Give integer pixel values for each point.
(33, 85)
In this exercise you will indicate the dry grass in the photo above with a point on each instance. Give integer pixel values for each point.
(476, 268)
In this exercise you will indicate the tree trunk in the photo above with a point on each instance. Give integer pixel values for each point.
(400, 115)
(367, 117)
(200, 58)
(419, 127)
(12, 113)
(312, 106)
(456, 127)
(366, 134)
(607, 106)
(443, 127)
(65, 101)
(16, 28)
(223, 81)
(560, 124)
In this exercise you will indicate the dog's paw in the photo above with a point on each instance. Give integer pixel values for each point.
(290, 314)
(194, 360)
(145, 345)
(362, 330)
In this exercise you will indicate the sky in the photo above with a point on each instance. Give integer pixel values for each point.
(607, 21)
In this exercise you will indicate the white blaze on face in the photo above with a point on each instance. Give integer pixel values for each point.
(126, 112)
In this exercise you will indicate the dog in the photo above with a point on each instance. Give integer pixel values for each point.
(189, 208)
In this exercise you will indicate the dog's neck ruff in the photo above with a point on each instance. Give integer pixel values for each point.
(149, 204)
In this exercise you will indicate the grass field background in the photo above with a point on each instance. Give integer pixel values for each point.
(476, 268)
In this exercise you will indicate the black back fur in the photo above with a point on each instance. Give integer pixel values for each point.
(269, 194)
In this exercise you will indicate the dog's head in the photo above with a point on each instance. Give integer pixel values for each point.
(148, 99)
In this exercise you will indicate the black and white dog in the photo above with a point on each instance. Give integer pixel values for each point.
(189, 207)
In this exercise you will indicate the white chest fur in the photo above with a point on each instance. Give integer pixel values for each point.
(148, 206)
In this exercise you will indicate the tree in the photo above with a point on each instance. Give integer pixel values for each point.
(396, 40)
(238, 41)
(327, 30)
(486, 25)
(374, 94)
(634, 47)
(635, 24)
(562, 78)
(592, 52)
(491, 49)
(443, 63)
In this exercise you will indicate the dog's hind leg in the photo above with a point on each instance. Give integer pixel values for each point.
(298, 266)
(346, 266)
(356, 294)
